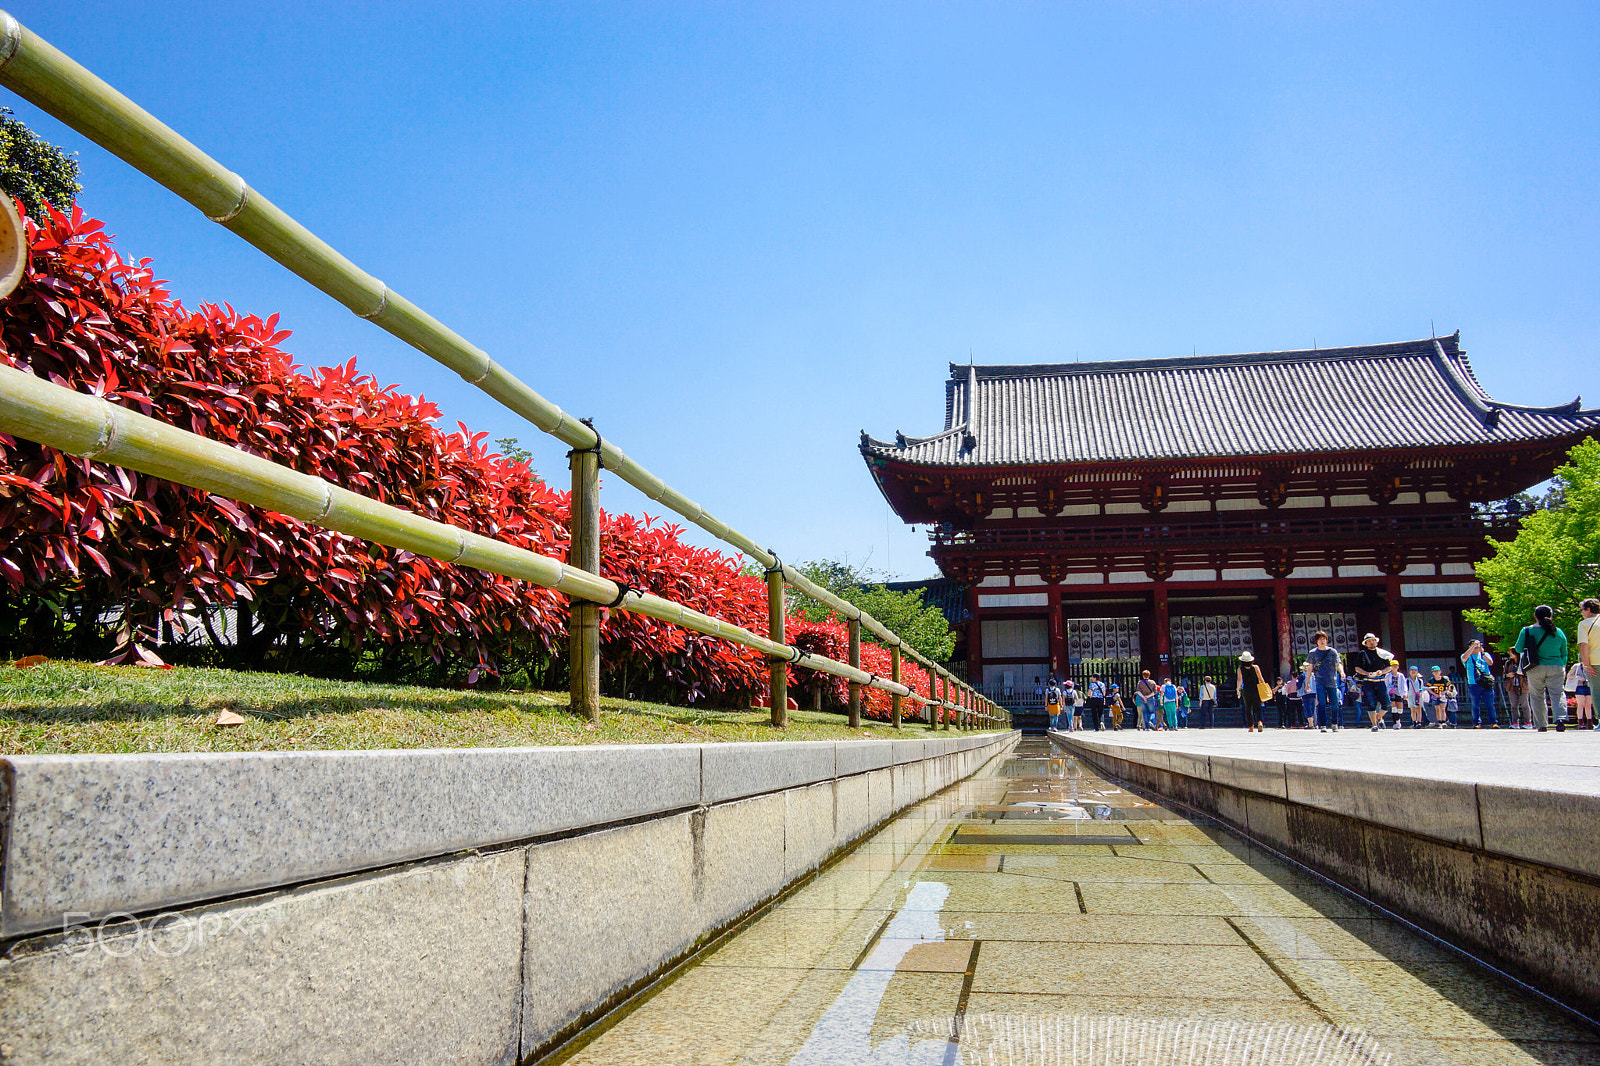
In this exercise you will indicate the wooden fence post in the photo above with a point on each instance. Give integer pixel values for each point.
(583, 629)
(855, 661)
(778, 688)
(894, 675)
(944, 702)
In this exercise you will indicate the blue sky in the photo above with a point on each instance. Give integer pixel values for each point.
(738, 234)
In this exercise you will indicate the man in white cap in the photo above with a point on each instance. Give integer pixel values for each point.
(1371, 666)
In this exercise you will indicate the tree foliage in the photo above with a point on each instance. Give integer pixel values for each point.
(1554, 559)
(35, 171)
(920, 625)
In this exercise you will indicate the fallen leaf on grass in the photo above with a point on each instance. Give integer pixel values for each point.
(230, 718)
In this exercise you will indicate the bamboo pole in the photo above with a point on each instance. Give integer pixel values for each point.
(88, 426)
(855, 660)
(38, 72)
(583, 627)
(778, 669)
(894, 675)
(945, 700)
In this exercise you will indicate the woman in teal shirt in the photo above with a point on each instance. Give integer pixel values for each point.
(1546, 646)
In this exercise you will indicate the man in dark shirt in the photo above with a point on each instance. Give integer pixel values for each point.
(1328, 668)
(1371, 663)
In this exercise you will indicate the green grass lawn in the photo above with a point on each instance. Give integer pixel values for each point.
(62, 707)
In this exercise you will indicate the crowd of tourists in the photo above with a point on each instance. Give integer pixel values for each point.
(1525, 689)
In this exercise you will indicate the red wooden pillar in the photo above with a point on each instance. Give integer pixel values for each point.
(1397, 619)
(1058, 633)
(1163, 624)
(974, 640)
(1280, 618)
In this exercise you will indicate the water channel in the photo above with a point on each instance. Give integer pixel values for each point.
(1039, 915)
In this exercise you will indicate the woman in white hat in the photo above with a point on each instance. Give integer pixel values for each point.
(1248, 682)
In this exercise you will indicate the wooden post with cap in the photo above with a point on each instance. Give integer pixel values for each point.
(895, 705)
(855, 661)
(778, 680)
(583, 627)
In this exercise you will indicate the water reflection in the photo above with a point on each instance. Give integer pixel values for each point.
(1039, 915)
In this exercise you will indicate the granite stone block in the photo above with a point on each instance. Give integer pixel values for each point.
(742, 850)
(1561, 829)
(910, 751)
(852, 807)
(809, 835)
(732, 771)
(604, 910)
(1444, 810)
(1255, 775)
(111, 833)
(859, 756)
(417, 964)
(1189, 764)
(880, 800)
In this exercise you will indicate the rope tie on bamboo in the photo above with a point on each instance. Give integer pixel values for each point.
(776, 567)
(798, 655)
(597, 448)
(623, 588)
(870, 679)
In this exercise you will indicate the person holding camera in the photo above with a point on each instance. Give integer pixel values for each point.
(1371, 665)
(1479, 665)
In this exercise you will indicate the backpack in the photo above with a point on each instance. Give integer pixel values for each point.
(1530, 652)
(1052, 695)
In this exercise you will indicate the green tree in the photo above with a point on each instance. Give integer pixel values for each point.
(35, 171)
(1554, 559)
(921, 626)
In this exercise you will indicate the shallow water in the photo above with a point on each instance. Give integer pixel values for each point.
(1039, 915)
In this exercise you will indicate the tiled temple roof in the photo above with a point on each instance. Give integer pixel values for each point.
(1412, 394)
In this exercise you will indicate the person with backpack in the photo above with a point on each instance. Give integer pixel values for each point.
(1148, 699)
(1542, 648)
(1183, 705)
(1169, 705)
(1479, 665)
(1052, 703)
(1115, 706)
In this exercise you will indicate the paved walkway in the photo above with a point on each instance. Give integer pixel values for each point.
(1561, 762)
(1037, 914)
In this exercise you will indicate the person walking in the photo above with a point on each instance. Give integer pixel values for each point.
(1588, 653)
(1440, 693)
(1248, 682)
(1543, 649)
(1115, 706)
(1147, 701)
(1052, 704)
(1183, 705)
(1479, 665)
(1208, 703)
(1097, 701)
(1327, 670)
(1075, 702)
(1169, 705)
(1308, 694)
(1582, 697)
(1514, 693)
(1416, 693)
(1371, 666)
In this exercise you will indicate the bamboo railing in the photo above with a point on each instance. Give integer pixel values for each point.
(39, 73)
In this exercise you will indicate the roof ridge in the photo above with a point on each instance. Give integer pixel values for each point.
(1421, 347)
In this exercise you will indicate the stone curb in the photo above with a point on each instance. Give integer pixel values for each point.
(91, 835)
